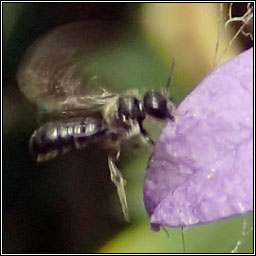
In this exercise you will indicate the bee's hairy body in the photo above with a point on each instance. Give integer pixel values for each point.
(59, 137)
(56, 79)
(122, 119)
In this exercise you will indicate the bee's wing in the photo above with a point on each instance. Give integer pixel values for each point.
(89, 105)
(54, 76)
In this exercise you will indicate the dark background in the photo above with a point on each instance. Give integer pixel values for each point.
(69, 205)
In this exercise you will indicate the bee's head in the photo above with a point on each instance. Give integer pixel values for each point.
(158, 105)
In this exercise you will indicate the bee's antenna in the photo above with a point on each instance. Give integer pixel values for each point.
(170, 77)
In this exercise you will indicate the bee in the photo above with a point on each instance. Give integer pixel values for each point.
(50, 76)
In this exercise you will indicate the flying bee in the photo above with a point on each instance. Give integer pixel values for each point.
(50, 76)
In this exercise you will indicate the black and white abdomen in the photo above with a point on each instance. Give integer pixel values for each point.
(59, 137)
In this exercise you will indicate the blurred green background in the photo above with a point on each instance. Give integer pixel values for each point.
(69, 204)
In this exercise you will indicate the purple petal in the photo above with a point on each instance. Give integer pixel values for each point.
(202, 166)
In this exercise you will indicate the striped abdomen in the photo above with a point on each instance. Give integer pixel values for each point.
(59, 137)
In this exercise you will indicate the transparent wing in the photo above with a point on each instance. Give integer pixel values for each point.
(54, 77)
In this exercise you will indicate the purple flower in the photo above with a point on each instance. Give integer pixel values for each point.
(202, 166)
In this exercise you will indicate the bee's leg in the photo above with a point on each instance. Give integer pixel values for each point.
(118, 180)
(146, 136)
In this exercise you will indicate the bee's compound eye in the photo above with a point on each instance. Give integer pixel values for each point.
(155, 104)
